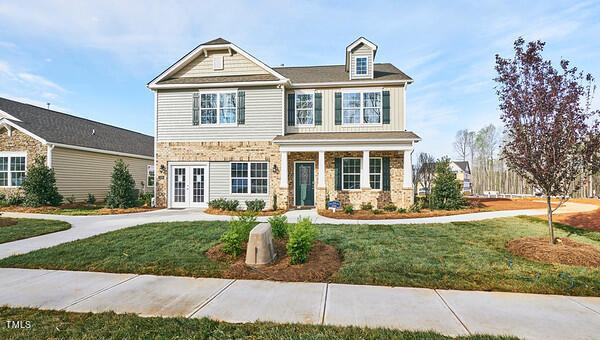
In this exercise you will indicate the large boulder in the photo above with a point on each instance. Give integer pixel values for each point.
(261, 247)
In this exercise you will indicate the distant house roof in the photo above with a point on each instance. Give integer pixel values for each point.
(463, 165)
(338, 73)
(348, 136)
(62, 128)
(218, 41)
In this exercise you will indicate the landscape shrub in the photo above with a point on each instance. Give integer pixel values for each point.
(274, 202)
(145, 199)
(301, 240)
(39, 185)
(376, 211)
(91, 199)
(238, 233)
(15, 199)
(446, 193)
(217, 203)
(255, 205)
(231, 205)
(366, 206)
(3, 200)
(402, 210)
(415, 207)
(327, 202)
(390, 207)
(122, 192)
(70, 199)
(348, 208)
(279, 226)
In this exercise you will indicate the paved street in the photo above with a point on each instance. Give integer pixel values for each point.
(450, 312)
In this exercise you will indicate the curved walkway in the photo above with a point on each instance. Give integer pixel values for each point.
(86, 226)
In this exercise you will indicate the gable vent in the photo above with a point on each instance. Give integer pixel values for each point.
(217, 62)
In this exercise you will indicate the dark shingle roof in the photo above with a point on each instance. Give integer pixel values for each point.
(218, 79)
(347, 136)
(337, 73)
(57, 127)
(218, 41)
(464, 165)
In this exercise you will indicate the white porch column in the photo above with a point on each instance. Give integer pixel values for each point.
(408, 172)
(321, 183)
(364, 172)
(284, 170)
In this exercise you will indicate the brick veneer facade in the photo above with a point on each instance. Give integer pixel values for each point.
(20, 142)
(267, 151)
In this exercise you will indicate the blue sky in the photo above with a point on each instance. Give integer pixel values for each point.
(93, 59)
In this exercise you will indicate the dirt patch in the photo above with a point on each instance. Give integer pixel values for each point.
(565, 251)
(5, 222)
(585, 220)
(384, 215)
(323, 261)
(213, 211)
(508, 203)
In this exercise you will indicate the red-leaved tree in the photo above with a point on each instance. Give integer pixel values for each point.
(552, 135)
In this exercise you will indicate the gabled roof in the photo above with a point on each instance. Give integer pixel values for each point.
(463, 165)
(61, 128)
(338, 73)
(218, 41)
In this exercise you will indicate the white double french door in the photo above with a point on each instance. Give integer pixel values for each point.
(188, 186)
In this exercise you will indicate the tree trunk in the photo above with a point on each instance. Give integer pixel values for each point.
(550, 228)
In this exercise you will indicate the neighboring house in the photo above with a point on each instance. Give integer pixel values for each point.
(229, 126)
(81, 152)
(463, 174)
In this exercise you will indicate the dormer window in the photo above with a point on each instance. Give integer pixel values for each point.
(361, 65)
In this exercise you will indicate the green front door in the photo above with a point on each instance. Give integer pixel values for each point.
(305, 184)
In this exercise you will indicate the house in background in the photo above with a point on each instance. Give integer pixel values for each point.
(229, 126)
(463, 174)
(81, 152)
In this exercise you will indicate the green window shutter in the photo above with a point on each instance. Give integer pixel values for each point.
(195, 115)
(241, 109)
(386, 107)
(338, 174)
(291, 109)
(338, 108)
(318, 108)
(386, 174)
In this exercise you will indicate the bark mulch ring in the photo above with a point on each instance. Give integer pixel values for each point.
(565, 251)
(5, 222)
(269, 212)
(323, 261)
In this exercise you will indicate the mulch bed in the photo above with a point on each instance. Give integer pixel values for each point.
(565, 251)
(369, 215)
(323, 261)
(5, 222)
(102, 211)
(213, 211)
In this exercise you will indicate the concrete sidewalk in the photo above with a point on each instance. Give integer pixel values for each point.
(86, 226)
(448, 312)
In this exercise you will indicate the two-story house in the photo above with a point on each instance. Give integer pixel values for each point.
(229, 126)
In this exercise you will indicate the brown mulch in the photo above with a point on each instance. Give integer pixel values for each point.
(369, 215)
(5, 222)
(103, 211)
(323, 261)
(213, 211)
(509, 203)
(565, 251)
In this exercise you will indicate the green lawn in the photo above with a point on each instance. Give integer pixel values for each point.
(466, 255)
(26, 228)
(67, 325)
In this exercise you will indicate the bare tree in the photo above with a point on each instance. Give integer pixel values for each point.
(461, 143)
(553, 135)
(426, 171)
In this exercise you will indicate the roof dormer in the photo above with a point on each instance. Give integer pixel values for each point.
(360, 56)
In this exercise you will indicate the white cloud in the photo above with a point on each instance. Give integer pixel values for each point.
(40, 81)
(49, 95)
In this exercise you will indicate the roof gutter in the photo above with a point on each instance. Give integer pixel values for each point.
(229, 84)
(109, 152)
(346, 141)
(352, 83)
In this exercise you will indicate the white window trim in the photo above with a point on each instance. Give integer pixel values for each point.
(366, 74)
(9, 177)
(249, 178)
(380, 173)
(218, 108)
(296, 93)
(359, 172)
(362, 107)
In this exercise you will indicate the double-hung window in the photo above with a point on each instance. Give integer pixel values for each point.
(249, 177)
(361, 65)
(375, 173)
(218, 108)
(351, 168)
(304, 108)
(12, 169)
(362, 107)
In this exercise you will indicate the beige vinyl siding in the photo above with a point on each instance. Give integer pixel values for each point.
(263, 117)
(328, 114)
(362, 51)
(233, 65)
(220, 186)
(81, 172)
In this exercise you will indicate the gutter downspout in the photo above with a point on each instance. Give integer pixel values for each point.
(49, 149)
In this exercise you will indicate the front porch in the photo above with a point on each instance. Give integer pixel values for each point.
(351, 168)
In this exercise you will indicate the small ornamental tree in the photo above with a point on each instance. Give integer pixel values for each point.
(122, 187)
(39, 185)
(552, 136)
(446, 192)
